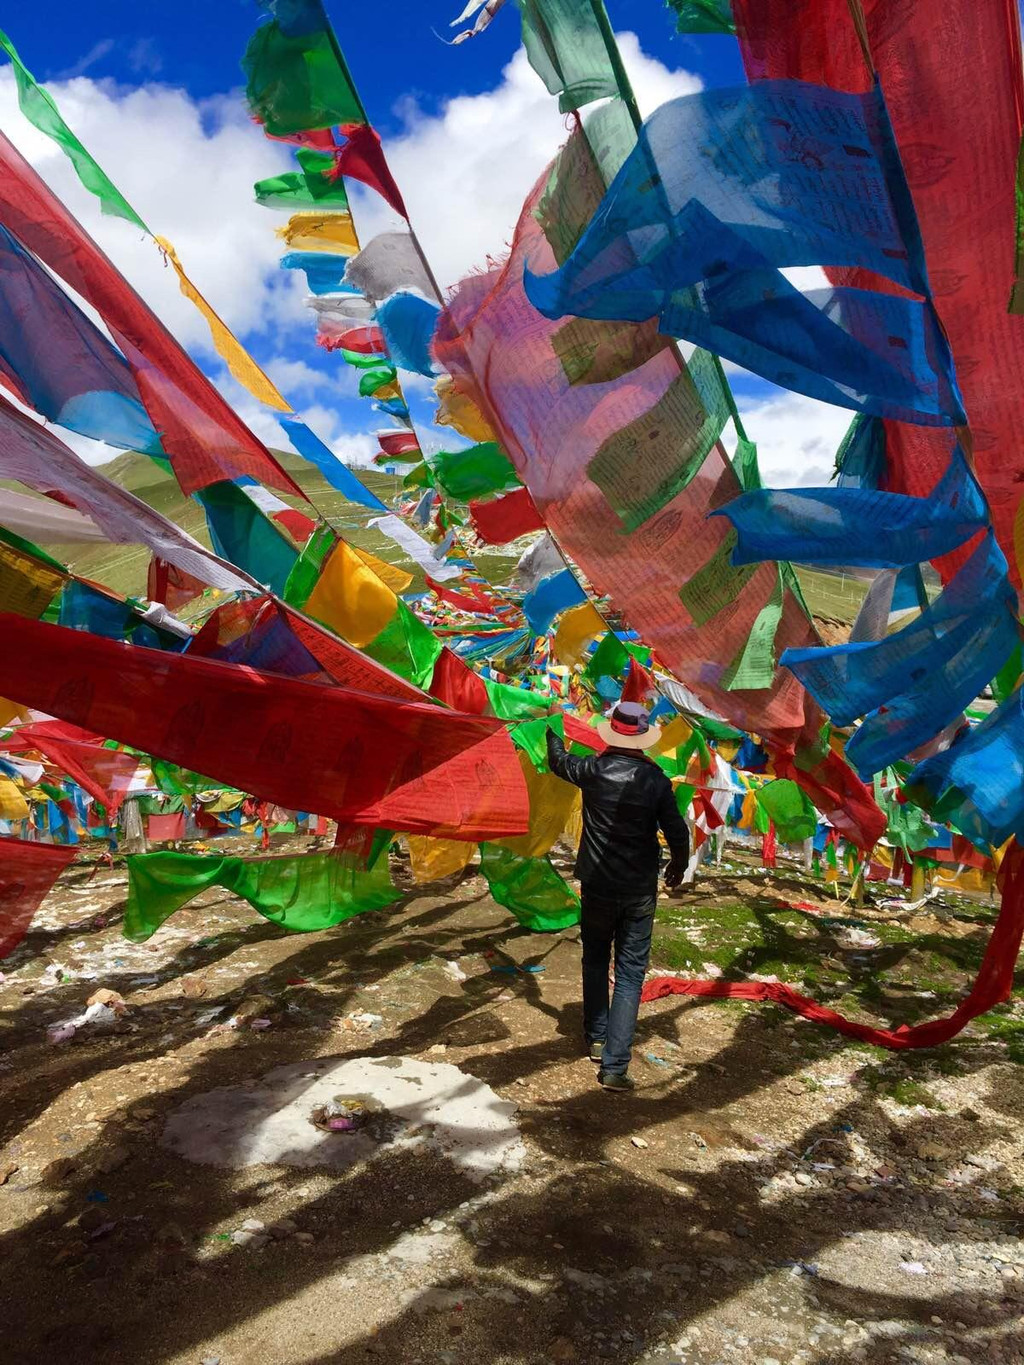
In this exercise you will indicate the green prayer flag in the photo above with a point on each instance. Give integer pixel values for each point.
(512, 703)
(376, 378)
(177, 781)
(609, 660)
(474, 473)
(716, 584)
(754, 666)
(789, 809)
(42, 113)
(537, 895)
(407, 647)
(744, 464)
(243, 535)
(296, 76)
(419, 477)
(308, 566)
(703, 16)
(303, 892)
(567, 48)
(314, 186)
(531, 737)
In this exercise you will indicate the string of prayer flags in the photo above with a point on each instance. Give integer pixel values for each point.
(203, 438)
(355, 758)
(960, 155)
(33, 455)
(708, 262)
(27, 874)
(303, 894)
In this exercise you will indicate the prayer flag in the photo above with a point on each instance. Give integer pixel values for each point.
(27, 874)
(359, 759)
(303, 893)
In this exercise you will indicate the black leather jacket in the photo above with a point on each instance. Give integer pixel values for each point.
(625, 798)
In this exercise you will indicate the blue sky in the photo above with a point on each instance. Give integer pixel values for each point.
(391, 48)
(155, 91)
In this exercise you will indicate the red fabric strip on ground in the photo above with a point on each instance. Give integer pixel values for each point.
(992, 985)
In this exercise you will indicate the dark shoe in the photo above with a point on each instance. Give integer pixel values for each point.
(596, 1052)
(615, 1080)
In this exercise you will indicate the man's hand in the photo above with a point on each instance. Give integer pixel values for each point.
(674, 874)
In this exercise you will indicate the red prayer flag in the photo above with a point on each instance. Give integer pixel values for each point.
(163, 829)
(504, 519)
(27, 872)
(359, 759)
(105, 774)
(171, 586)
(640, 683)
(362, 157)
(455, 683)
(398, 442)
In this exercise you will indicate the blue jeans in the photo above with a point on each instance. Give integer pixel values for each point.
(627, 922)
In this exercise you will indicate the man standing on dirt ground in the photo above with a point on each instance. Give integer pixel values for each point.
(626, 797)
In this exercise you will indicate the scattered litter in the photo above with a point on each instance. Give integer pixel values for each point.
(455, 971)
(657, 1061)
(913, 1268)
(98, 1015)
(342, 1114)
(532, 967)
(506, 968)
(96, 1197)
(111, 998)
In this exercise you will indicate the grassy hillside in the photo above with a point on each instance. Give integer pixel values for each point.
(123, 567)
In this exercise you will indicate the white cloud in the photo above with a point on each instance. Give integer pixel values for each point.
(796, 438)
(188, 169)
(465, 173)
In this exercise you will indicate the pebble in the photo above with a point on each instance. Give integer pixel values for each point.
(639, 1142)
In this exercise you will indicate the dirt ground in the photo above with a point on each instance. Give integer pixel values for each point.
(770, 1193)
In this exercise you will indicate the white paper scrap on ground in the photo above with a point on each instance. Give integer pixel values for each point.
(429, 1106)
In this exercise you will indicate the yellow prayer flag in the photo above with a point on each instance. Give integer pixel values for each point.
(458, 411)
(575, 631)
(334, 232)
(228, 347)
(433, 858)
(27, 585)
(397, 579)
(13, 805)
(11, 710)
(350, 598)
(552, 803)
(676, 732)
